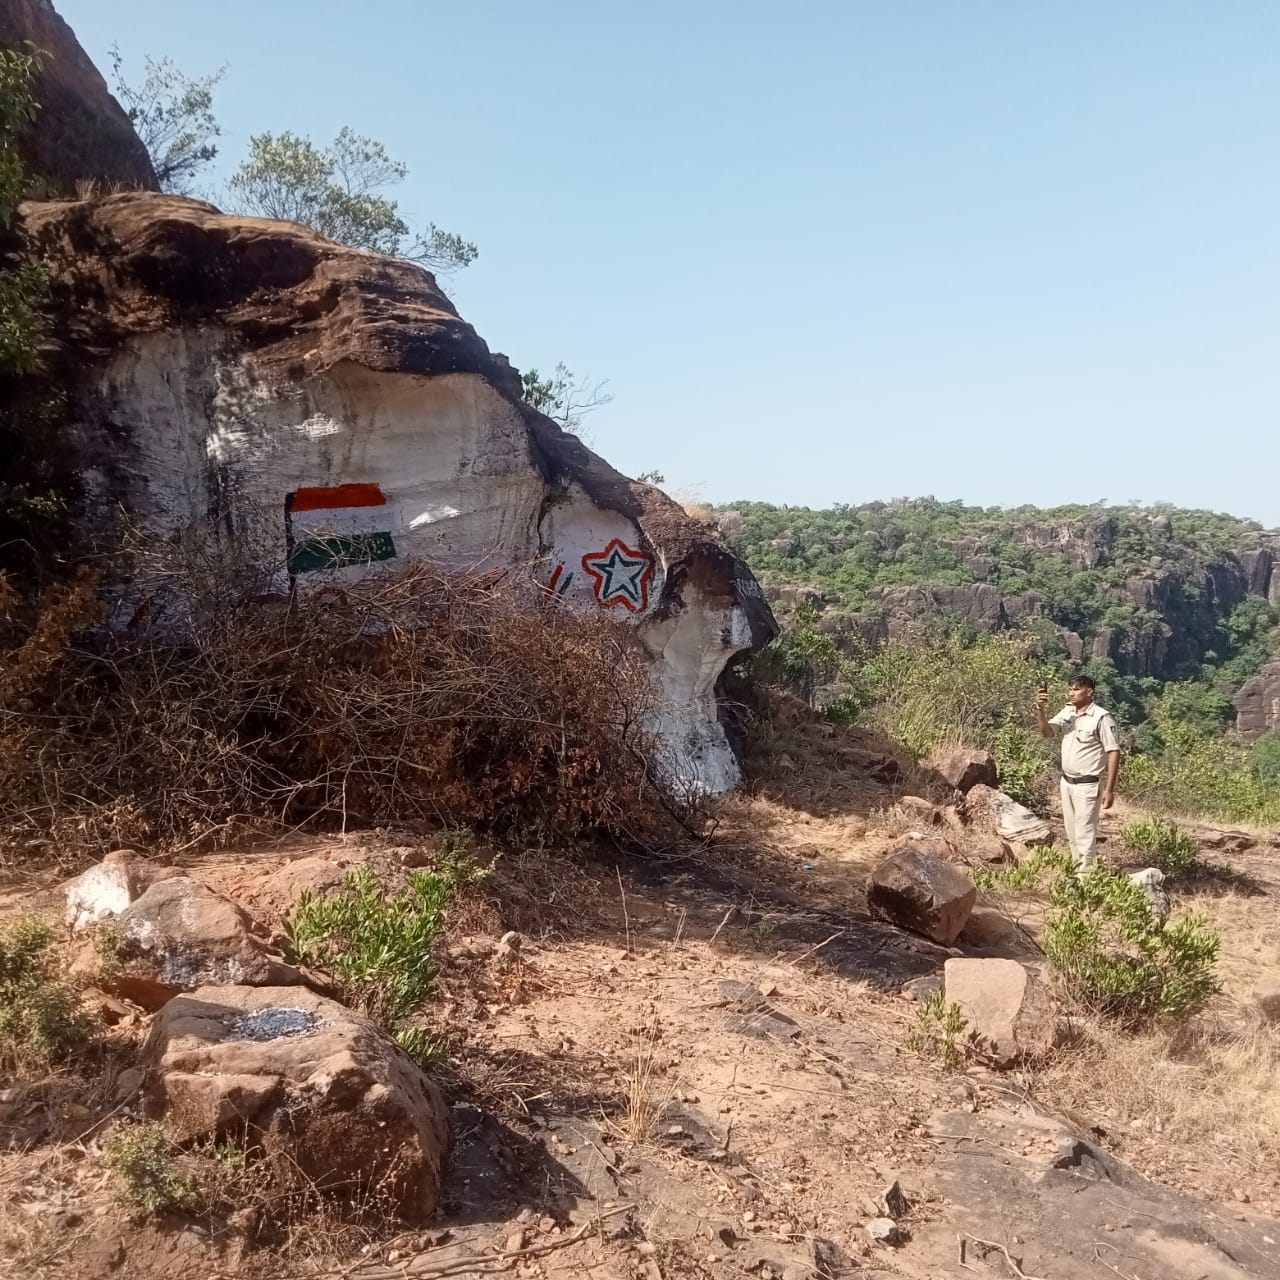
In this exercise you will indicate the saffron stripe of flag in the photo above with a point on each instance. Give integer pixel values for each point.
(340, 525)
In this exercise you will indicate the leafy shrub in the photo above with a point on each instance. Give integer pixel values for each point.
(1105, 942)
(1163, 843)
(424, 1048)
(376, 945)
(1022, 764)
(41, 1019)
(940, 1031)
(931, 690)
(1026, 874)
(149, 1169)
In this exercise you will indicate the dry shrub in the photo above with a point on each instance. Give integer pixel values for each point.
(414, 695)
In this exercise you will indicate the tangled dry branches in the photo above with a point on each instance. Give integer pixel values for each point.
(418, 695)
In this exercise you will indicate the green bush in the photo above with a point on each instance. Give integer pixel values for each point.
(149, 1170)
(941, 1032)
(1026, 874)
(1106, 944)
(378, 945)
(1022, 764)
(41, 1019)
(1162, 843)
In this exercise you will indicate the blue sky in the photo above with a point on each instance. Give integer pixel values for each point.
(829, 251)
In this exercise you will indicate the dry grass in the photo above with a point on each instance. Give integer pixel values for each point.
(417, 696)
(647, 1090)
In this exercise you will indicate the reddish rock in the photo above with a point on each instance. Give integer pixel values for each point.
(180, 935)
(1010, 1010)
(963, 768)
(317, 1088)
(922, 894)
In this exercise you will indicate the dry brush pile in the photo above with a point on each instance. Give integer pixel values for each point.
(421, 695)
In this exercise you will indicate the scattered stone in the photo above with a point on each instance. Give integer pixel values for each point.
(917, 807)
(922, 988)
(884, 1231)
(1151, 882)
(107, 888)
(965, 767)
(742, 994)
(1011, 1011)
(129, 1081)
(896, 1204)
(177, 936)
(990, 849)
(1225, 840)
(922, 894)
(1266, 998)
(995, 811)
(317, 1086)
(508, 948)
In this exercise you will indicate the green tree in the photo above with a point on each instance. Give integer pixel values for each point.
(338, 190)
(173, 115)
(564, 397)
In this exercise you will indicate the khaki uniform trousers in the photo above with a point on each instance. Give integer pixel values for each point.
(1081, 806)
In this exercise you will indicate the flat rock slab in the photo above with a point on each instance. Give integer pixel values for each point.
(320, 1089)
(1010, 1010)
(921, 893)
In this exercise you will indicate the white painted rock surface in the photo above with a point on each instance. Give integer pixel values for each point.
(1011, 1010)
(332, 410)
(107, 888)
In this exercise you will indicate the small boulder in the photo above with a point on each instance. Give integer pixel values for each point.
(918, 809)
(1151, 881)
(923, 989)
(1011, 1011)
(1266, 998)
(107, 888)
(963, 768)
(995, 811)
(318, 1088)
(989, 848)
(180, 935)
(922, 894)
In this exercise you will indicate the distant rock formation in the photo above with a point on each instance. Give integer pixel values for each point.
(1258, 704)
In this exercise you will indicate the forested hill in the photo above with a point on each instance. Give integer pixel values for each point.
(1156, 594)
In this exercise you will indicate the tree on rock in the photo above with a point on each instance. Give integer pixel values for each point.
(338, 191)
(565, 398)
(173, 115)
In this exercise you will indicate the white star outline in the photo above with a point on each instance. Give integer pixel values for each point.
(621, 575)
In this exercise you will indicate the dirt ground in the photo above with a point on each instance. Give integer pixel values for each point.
(700, 1067)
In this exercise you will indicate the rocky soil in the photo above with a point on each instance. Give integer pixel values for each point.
(702, 1067)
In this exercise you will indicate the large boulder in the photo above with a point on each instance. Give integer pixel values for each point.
(82, 132)
(963, 768)
(180, 935)
(250, 385)
(317, 1088)
(1010, 1010)
(921, 893)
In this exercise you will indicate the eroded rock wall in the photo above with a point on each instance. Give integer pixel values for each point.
(331, 410)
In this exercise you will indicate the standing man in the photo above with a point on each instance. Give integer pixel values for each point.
(1090, 745)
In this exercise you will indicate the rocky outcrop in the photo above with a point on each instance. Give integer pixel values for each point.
(83, 133)
(329, 410)
(1258, 704)
(107, 888)
(318, 1089)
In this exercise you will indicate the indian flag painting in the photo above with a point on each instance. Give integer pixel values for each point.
(338, 526)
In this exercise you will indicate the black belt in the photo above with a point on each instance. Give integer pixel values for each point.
(1090, 777)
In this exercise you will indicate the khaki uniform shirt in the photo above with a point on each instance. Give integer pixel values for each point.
(1086, 739)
